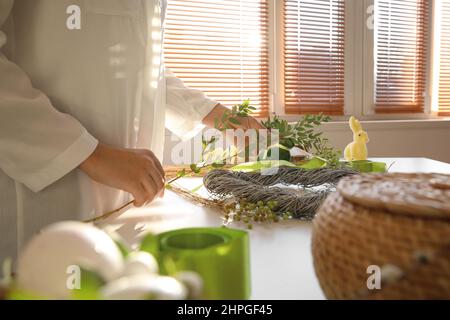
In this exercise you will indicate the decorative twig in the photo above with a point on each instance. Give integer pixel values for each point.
(199, 200)
(109, 214)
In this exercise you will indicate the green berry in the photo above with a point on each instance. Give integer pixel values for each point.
(272, 204)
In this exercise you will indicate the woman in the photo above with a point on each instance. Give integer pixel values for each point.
(83, 111)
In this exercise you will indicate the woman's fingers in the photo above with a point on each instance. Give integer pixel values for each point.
(246, 123)
(254, 124)
(152, 182)
(140, 195)
(156, 164)
(136, 171)
(150, 188)
(156, 181)
(158, 178)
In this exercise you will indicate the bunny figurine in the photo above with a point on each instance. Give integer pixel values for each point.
(357, 150)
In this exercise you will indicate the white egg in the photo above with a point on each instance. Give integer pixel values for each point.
(193, 283)
(140, 263)
(144, 286)
(46, 265)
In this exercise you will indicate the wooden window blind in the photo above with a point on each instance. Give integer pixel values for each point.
(314, 37)
(401, 33)
(444, 78)
(221, 48)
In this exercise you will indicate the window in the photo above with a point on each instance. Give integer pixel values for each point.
(314, 56)
(444, 78)
(371, 58)
(401, 34)
(220, 47)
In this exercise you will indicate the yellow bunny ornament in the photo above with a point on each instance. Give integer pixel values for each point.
(357, 150)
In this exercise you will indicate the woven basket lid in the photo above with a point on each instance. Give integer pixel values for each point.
(419, 195)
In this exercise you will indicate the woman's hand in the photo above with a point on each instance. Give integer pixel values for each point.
(246, 123)
(138, 172)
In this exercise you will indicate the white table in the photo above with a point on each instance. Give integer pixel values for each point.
(281, 261)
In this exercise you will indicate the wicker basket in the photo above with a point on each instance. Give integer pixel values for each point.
(398, 222)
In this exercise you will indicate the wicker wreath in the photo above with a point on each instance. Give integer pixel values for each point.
(297, 191)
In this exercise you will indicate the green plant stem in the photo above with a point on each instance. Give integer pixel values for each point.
(109, 214)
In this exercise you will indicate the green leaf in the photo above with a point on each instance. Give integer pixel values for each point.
(181, 173)
(196, 189)
(218, 165)
(195, 169)
(262, 165)
(314, 163)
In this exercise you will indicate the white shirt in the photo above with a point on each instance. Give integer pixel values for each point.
(63, 90)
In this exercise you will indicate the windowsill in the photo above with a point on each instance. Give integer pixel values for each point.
(384, 121)
(371, 125)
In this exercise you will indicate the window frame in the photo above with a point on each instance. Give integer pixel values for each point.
(359, 65)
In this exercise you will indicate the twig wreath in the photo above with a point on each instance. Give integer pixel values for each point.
(289, 191)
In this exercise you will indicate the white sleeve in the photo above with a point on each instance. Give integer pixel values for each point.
(38, 144)
(186, 108)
